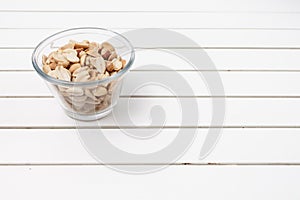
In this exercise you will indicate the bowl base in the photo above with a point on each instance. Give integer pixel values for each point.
(88, 117)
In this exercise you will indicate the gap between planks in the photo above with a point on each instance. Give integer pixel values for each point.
(145, 127)
(151, 11)
(171, 97)
(161, 96)
(166, 48)
(173, 28)
(149, 164)
(181, 70)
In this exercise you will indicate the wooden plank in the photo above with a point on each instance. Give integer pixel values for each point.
(224, 59)
(94, 182)
(134, 5)
(240, 112)
(235, 84)
(148, 20)
(63, 146)
(206, 38)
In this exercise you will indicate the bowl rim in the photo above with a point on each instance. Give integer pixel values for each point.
(87, 83)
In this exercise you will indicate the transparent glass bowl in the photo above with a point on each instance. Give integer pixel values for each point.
(75, 97)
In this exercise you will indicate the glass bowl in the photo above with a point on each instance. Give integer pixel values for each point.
(74, 97)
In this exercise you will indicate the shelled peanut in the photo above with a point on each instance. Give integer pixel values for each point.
(82, 62)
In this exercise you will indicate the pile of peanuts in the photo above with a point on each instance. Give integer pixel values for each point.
(81, 62)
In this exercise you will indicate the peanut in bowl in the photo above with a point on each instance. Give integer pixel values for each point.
(84, 69)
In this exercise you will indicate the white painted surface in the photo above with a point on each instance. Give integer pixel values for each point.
(240, 112)
(279, 84)
(206, 38)
(236, 146)
(224, 59)
(176, 182)
(156, 5)
(255, 45)
(146, 19)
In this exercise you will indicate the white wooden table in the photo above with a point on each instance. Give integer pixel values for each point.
(255, 46)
